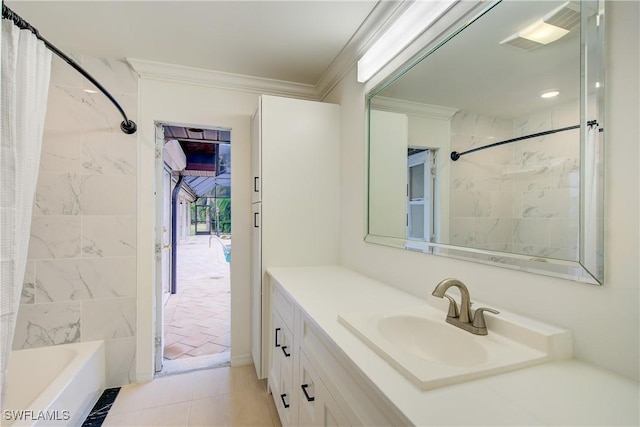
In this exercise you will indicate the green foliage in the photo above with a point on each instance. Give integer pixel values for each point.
(203, 210)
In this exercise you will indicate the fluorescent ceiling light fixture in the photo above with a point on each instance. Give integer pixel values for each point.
(89, 91)
(549, 94)
(543, 33)
(413, 22)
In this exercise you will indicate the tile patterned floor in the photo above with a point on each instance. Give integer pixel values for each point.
(214, 397)
(197, 317)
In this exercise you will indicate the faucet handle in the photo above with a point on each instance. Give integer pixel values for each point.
(478, 316)
(453, 307)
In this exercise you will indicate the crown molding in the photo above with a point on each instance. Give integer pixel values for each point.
(413, 108)
(380, 18)
(221, 80)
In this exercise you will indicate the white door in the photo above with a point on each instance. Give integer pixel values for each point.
(419, 197)
(163, 245)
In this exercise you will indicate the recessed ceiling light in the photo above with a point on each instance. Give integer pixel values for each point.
(549, 94)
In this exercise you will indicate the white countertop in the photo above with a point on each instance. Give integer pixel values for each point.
(566, 393)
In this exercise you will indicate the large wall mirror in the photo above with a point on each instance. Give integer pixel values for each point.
(488, 146)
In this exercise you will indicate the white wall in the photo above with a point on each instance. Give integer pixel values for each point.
(604, 320)
(184, 104)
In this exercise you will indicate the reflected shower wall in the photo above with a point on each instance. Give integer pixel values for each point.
(521, 197)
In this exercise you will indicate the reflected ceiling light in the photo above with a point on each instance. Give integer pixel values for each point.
(551, 27)
(549, 94)
(89, 91)
(543, 33)
(413, 22)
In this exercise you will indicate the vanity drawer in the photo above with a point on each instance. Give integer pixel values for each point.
(282, 304)
(282, 343)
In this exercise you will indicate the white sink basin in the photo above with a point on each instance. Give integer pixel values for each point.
(432, 353)
(417, 335)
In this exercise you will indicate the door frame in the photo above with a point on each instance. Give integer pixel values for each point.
(191, 108)
(161, 209)
(161, 277)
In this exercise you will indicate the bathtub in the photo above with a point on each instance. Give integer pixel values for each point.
(54, 386)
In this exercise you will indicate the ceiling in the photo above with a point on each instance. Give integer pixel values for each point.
(294, 41)
(473, 72)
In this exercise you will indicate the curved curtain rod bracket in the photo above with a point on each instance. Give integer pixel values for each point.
(456, 155)
(127, 126)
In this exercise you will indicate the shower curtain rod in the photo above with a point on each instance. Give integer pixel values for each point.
(127, 126)
(455, 155)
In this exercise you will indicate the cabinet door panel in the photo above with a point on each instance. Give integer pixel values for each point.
(256, 292)
(286, 400)
(274, 357)
(316, 406)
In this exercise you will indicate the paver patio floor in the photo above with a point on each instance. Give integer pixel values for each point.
(197, 317)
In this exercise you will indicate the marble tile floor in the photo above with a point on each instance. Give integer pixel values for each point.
(197, 317)
(223, 396)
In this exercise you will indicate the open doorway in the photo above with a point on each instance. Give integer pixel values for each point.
(193, 304)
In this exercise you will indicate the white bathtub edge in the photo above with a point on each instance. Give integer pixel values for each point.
(69, 398)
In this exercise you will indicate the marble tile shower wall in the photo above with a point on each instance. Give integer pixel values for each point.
(546, 184)
(81, 275)
(481, 208)
(521, 197)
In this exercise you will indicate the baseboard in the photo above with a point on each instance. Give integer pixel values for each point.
(242, 360)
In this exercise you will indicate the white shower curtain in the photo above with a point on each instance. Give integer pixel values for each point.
(24, 85)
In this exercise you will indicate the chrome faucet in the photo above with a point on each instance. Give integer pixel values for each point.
(463, 318)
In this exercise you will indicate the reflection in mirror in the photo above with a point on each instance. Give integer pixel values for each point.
(489, 146)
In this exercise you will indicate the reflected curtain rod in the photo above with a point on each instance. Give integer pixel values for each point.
(127, 126)
(455, 155)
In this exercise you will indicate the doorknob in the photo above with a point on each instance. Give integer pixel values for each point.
(167, 246)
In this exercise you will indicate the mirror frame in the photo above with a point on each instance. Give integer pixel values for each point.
(592, 48)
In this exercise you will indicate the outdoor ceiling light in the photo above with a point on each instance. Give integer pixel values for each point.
(413, 22)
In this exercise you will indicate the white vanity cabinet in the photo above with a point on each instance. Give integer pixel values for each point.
(295, 194)
(315, 386)
(298, 391)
